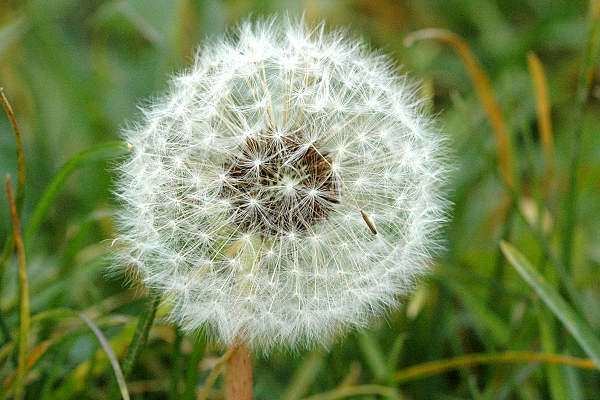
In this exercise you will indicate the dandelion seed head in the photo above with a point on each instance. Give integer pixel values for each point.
(286, 188)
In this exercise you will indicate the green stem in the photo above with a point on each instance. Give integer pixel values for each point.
(24, 309)
(191, 375)
(5, 331)
(590, 58)
(140, 335)
(495, 285)
(177, 365)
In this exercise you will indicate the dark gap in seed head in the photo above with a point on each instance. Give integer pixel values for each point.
(281, 160)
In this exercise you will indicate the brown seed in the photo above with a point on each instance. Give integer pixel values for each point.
(369, 222)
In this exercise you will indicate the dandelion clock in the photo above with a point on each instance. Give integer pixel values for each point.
(285, 189)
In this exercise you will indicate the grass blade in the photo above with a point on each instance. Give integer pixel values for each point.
(555, 378)
(191, 375)
(97, 153)
(210, 380)
(591, 54)
(21, 175)
(488, 322)
(141, 334)
(21, 170)
(24, 315)
(373, 356)
(510, 357)
(573, 322)
(110, 354)
(304, 376)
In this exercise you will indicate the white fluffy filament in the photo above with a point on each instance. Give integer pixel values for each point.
(286, 187)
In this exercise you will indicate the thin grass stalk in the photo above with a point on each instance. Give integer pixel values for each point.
(191, 374)
(140, 336)
(467, 375)
(591, 55)
(499, 260)
(21, 178)
(554, 374)
(110, 354)
(304, 376)
(238, 375)
(177, 369)
(4, 329)
(33, 357)
(213, 375)
(21, 168)
(40, 349)
(547, 325)
(24, 313)
(510, 357)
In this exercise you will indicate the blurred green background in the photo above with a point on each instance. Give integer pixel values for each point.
(75, 72)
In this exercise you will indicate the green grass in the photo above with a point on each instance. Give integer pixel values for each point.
(481, 326)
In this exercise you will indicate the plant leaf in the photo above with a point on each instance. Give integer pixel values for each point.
(573, 322)
(100, 152)
(110, 354)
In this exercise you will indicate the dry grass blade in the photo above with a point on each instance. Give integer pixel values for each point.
(540, 85)
(8, 245)
(34, 356)
(24, 316)
(484, 90)
(510, 357)
(214, 374)
(110, 354)
(20, 151)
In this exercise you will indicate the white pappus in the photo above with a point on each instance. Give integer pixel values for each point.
(286, 188)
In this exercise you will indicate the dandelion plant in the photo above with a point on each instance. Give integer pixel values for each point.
(286, 188)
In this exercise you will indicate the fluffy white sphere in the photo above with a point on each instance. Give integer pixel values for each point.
(286, 188)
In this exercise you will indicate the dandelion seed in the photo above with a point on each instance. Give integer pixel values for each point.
(241, 189)
(369, 222)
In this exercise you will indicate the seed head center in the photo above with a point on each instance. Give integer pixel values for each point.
(279, 185)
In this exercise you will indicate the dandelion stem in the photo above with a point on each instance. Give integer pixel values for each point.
(140, 335)
(24, 317)
(238, 376)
